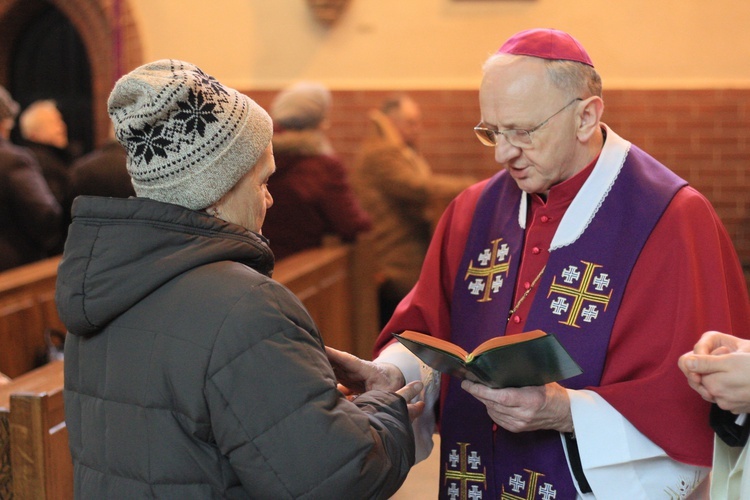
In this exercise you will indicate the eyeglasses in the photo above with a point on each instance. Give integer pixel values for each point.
(516, 137)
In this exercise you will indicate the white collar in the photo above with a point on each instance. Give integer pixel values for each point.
(586, 203)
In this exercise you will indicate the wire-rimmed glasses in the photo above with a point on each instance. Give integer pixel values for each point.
(516, 137)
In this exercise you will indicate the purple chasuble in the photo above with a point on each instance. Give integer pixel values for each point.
(577, 300)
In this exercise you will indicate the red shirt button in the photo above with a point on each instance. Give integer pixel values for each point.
(545, 218)
(535, 250)
(527, 285)
(516, 319)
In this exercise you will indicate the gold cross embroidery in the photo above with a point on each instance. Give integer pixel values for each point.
(518, 485)
(580, 294)
(463, 475)
(495, 268)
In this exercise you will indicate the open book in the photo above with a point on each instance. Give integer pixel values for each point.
(531, 358)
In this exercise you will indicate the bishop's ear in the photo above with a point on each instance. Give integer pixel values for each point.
(589, 115)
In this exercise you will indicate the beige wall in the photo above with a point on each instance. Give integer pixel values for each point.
(441, 43)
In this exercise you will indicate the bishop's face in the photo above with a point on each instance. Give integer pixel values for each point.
(517, 94)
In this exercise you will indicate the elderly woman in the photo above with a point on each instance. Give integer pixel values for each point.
(189, 372)
(314, 198)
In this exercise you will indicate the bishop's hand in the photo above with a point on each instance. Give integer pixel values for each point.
(525, 408)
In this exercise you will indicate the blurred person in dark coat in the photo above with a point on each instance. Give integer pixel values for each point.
(44, 132)
(30, 217)
(311, 187)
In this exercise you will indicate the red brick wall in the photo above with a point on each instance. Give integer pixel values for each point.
(702, 135)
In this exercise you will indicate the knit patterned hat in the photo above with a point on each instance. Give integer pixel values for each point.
(189, 138)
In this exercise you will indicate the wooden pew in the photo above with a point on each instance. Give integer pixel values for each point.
(34, 455)
(322, 279)
(27, 308)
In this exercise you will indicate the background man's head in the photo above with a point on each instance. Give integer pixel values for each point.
(406, 116)
(43, 123)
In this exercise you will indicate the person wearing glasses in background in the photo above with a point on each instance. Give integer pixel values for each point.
(583, 235)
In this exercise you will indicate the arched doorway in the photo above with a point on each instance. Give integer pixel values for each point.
(49, 61)
(106, 30)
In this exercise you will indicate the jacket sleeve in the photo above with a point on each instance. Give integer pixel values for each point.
(278, 417)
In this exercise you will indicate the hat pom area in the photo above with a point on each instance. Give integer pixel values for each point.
(189, 139)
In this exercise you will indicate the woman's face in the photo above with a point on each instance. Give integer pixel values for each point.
(246, 203)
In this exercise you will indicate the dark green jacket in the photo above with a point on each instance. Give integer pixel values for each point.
(189, 373)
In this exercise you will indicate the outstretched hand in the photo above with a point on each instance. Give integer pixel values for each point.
(356, 375)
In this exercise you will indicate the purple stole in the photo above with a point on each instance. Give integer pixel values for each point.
(578, 298)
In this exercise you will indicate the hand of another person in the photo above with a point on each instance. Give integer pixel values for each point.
(356, 375)
(409, 392)
(525, 408)
(719, 370)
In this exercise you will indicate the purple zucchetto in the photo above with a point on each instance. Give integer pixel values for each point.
(546, 44)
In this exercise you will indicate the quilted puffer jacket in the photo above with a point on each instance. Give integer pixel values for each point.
(190, 373)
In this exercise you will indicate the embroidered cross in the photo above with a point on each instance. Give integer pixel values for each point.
(503, 252)
(476, 287)
(578, 295)
(548, 492)
(454, 458)
(474, 460)
(559, 305)
(474, 493)
(485, 257)
(589, 313)
(453, 491)
(488, 271)
(517, 484)
(571, 274)
(462, 475)
(601, 282)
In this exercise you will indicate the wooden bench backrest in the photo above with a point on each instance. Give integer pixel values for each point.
(27, 308)
(322, 279)
(34, 454)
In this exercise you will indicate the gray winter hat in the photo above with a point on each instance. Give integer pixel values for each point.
(189, 138)
(301, 106)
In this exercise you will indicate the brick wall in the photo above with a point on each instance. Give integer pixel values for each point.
(702, 135)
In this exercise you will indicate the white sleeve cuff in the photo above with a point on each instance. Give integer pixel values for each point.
(404, 359)
(618, 460)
